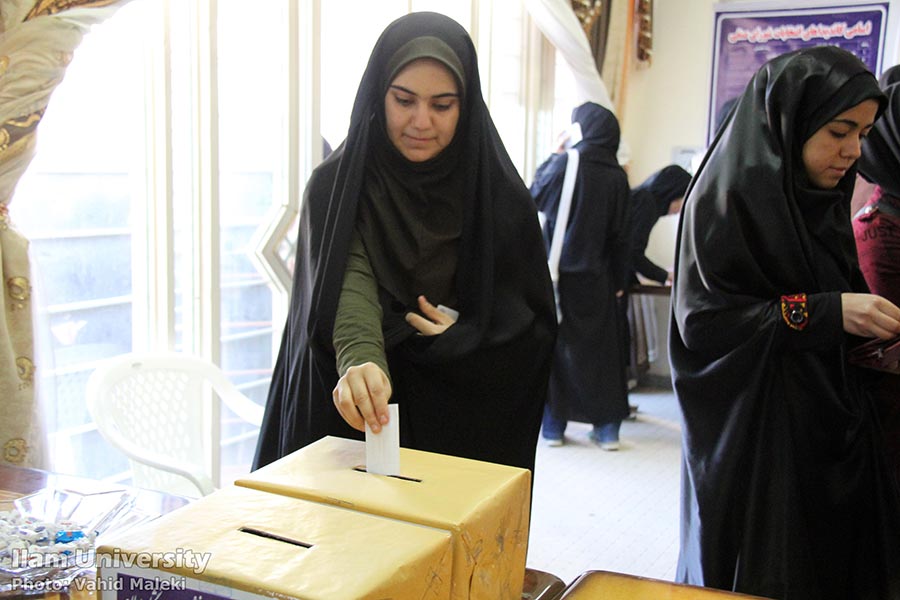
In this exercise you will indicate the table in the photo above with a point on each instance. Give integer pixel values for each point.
(593, 585)
(649, 289)
(19, 481)
(541, 586)
(643, 326)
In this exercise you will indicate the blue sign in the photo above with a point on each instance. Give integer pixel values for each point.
(745, 40)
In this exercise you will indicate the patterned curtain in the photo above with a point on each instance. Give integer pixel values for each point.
(617, 50)
(37, 39)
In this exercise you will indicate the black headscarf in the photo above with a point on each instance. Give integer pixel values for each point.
(784, 491)
(665, 186)
(411, 213)
(889, 77)
(880, 160)
(647, 203)
(759, 159)
(597, 149)
(477, 389)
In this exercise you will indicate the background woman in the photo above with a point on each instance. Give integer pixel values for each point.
(420, 207)
(588, 379)
(785, 493)
(661, 194)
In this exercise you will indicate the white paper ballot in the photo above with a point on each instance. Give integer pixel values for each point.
(383, 449)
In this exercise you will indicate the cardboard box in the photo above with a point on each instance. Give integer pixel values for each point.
(617, 586)
(241, 543)
(485, 506)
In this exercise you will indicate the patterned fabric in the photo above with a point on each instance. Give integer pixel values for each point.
(794, 311)
(37, 40)
(52, 7)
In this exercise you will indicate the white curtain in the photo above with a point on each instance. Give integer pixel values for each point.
(37, 39)
(558, 23)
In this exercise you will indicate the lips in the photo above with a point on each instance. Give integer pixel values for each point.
(416, 141)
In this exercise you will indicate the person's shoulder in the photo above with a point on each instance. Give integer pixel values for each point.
(325, 172)
(321, 180)
(613, 175)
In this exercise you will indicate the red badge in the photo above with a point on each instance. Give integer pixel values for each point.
(794, 311)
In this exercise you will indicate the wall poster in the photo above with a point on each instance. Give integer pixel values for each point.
(747, 36)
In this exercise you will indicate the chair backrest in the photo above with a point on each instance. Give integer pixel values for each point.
(157, 409)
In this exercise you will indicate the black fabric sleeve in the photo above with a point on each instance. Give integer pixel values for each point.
(540, 180)
(358, 336)
(649, 269)
(620, 240)
(641, 224)
(825, 327)
(716, 331)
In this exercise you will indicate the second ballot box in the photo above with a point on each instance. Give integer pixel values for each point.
(239, 543)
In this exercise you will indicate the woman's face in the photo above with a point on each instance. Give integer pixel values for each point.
(421, 109)
(833, 149)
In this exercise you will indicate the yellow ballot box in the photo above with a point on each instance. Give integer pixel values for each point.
(240, 543)
(618, 586)
(484, 505)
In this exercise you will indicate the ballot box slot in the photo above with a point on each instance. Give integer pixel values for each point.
(363, 470)
(274, 536)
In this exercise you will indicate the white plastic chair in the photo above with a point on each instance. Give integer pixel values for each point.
(158, 410)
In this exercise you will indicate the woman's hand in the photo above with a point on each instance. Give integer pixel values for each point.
(561, 141)
(361, 396)
(868, 315)
(433, 323)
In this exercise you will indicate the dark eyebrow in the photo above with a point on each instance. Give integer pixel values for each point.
(851, 123)
(444, 95)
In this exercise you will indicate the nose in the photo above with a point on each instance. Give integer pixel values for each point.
(853, 148)
(421, 119)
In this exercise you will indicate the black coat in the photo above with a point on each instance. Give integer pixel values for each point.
(588, 381)
(784, 489)
(478, 389)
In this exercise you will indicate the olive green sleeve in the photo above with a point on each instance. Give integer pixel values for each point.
(357, 325)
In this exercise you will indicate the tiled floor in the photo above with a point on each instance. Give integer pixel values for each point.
(611, 511)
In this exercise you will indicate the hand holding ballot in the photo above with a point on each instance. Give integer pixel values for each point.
(361, 396)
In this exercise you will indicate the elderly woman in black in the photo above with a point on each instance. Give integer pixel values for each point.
(785, 493)
(421, 275)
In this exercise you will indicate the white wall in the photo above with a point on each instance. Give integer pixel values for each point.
(666, 103)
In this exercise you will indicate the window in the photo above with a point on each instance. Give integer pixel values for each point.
(79, 204)
(164, 159)
(154, 177)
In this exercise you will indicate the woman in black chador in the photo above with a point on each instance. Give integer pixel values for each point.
(421, 276)
(588, 380)
(661, 194)
(785, 493)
